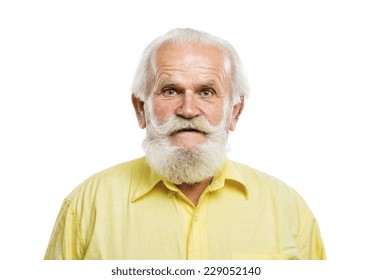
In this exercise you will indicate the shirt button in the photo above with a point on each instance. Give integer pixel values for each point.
(195, 218)
(170, 194)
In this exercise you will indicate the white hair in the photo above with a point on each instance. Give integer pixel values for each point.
(143, 83)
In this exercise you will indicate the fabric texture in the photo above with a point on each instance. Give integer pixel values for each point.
(129, 212)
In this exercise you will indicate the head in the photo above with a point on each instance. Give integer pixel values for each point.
(188, 93)
(143, 82)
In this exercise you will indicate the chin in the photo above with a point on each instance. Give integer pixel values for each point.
(187, 143)
(187, 146)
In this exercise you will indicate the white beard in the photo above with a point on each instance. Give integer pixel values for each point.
(179, 165)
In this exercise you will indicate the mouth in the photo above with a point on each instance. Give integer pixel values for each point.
(187, 130)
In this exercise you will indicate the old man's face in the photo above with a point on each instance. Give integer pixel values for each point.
(189, 113)
(191, 81)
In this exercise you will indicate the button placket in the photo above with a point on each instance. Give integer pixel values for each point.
(198, 238)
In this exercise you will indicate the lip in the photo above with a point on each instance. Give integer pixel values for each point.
(190, 130)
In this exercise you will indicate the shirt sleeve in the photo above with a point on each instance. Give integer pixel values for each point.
(65, 242)
(312, 247)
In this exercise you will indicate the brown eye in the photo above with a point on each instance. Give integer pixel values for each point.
(170, 92)
(206, 93)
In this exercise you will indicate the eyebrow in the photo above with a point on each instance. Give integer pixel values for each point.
(211, 84)
(166, 83)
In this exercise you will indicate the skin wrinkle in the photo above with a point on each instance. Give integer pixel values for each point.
(163, 78)
(192, 61)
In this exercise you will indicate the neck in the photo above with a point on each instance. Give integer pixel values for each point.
(194, 191)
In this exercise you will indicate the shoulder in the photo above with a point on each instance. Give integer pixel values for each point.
(119, 177)
(254, 178)
(264, 187)
(276, 197)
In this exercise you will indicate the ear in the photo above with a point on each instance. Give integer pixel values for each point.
(140, 111)
(237, 110)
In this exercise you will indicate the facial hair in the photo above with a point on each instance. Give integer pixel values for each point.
(180, 165)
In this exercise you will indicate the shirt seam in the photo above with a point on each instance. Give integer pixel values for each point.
(79, 231)
(301, 241)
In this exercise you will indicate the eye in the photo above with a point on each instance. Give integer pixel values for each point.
(206, 93)
(169, 92)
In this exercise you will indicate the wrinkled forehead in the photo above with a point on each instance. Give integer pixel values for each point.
(190, 55)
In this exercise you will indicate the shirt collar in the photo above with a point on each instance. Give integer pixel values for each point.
(149, 179)
(229, 174)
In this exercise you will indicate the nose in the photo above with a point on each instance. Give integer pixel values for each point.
(189, 106)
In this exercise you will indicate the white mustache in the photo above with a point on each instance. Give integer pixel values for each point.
(176, 124)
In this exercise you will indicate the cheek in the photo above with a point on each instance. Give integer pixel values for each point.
(216, 117)
(162, 110)
(215, 114)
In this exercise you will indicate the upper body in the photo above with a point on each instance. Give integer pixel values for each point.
(129, 212)
(188, 93)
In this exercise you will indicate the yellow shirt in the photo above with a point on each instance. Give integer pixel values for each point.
(128, 212)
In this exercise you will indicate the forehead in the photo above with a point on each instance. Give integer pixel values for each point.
(191, 56)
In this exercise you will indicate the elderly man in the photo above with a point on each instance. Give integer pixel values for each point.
(185, 199)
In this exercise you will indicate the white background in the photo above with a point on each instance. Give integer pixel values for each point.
(65, 73)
